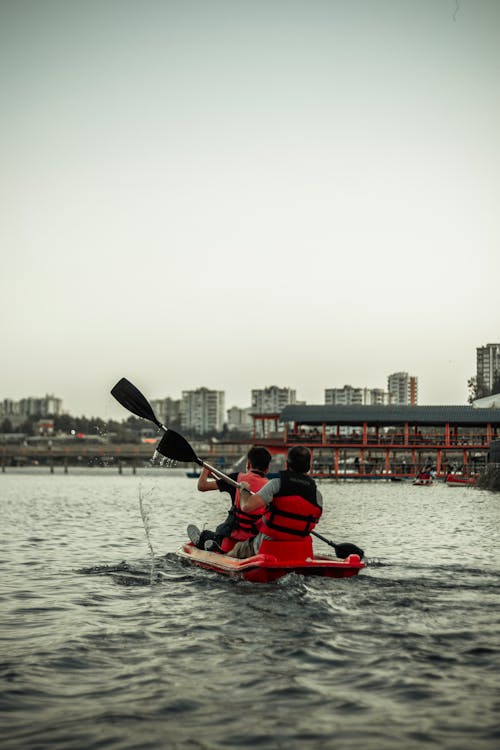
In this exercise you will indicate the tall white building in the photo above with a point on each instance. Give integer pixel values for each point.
(203, 410)
(403, 389)
(272, 399)
(488, 367)
(348, 396)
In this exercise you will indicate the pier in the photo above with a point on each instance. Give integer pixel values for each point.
(382, 442)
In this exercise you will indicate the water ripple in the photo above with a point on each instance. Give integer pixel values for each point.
(104, 645)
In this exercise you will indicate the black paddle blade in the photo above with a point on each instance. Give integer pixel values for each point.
(174, 446)
(132, 399)
(346, 549)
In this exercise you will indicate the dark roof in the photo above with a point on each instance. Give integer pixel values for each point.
(466, 416)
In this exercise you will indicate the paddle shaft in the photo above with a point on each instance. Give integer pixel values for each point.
(218, 473)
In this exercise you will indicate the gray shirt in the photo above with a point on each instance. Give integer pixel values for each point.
(269, 490)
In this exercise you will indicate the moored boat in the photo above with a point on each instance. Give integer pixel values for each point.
(458, 480)
(274, 560)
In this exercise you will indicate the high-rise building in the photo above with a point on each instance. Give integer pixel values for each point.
(488, 368)
(168, 410)
(272, 400)
(203, 410)
(403, 388)
(351, 396)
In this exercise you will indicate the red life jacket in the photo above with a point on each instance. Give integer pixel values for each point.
(294, 511)
(247, 524)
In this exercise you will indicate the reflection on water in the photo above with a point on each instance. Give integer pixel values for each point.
(107, 639)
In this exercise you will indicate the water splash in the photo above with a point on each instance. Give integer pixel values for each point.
(147, 527)
(169, 463)
(158, 459)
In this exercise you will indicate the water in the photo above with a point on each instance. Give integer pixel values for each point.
(104, 646)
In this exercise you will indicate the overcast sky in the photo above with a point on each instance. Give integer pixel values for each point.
(239, 194)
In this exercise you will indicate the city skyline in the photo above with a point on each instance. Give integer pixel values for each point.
(370, 392)
(242, 194)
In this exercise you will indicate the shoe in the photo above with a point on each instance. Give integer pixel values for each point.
(212, 546)
(194, 534)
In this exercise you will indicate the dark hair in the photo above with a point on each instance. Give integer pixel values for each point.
(299, 459)
(259, 457)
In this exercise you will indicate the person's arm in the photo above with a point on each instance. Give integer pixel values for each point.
(206, 482)
(248, 501)
(251, 502)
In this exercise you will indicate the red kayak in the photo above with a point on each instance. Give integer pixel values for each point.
(274, 560)
(460, 481)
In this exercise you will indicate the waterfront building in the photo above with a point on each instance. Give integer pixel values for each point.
(380, 442)
(403, 389)
(203, 410)
(272, 399)
(488, 368)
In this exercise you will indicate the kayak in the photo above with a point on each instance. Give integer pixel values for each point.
(274, 560)
(423, 481)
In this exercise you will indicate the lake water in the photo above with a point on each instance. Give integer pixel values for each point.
(105, 646)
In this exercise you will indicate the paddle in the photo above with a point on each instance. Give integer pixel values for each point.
(132, 399)
(342, 550)
(174, 446)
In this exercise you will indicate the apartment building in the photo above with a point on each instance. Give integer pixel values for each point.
(239, 419)
(488, 368)
(272, 399)
(168, 410)
(349, 396)
(403, 389)
(46, 406)
(203, 410)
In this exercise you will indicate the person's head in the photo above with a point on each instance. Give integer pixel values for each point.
(259, 458)
(299, 459)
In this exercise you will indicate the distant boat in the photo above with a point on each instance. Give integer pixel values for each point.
(459, 480)
(193, 474)
(423, 479)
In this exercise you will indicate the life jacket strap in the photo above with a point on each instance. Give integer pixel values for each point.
(309, 522)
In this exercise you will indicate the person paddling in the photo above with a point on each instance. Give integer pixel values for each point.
(293, 504)
(239, 524)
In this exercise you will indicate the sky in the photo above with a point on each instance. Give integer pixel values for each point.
(237, 194)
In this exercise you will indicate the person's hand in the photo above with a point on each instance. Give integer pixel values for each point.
(244, 486)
